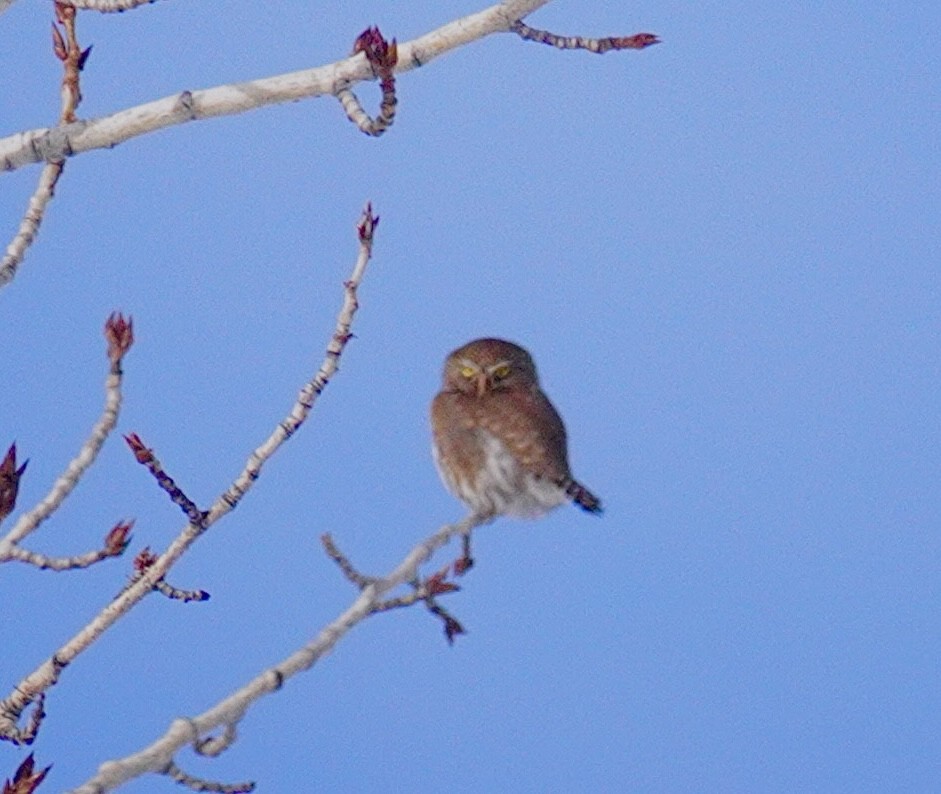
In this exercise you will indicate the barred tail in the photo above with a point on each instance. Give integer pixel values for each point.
(584, 498)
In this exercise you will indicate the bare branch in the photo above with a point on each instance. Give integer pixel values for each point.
(104, 6)
(199, 784)
(229, 711)
(89, 452)
(67, 140)
(67, 50)
(211, 746)
(145, 559)
(32, 219)
(344, 564)
(436, 584)
(599, 46)
(116, 543)
(382, 56)
(177, 594)
(32, 688)
(55, 145)
(109, 6)
(73, 59)
(312, 389)
(426, 590)
(145, 456)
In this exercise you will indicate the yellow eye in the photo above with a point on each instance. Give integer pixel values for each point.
(468, 372)
(502, 371)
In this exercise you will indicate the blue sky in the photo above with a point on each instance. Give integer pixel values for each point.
(723, 253)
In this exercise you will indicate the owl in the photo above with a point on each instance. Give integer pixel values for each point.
(499, 443)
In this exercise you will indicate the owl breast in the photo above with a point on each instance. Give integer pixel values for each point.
(500, 486)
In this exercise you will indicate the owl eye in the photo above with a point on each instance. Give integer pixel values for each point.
(468, 372)
(502, 371)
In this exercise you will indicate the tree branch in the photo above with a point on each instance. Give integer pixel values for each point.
(67, 50)
(32, 688)
(382, 57)
(120, 335)
(598, 46)
(109, 6)
(226, 713)
(32, 219)
(67, 140)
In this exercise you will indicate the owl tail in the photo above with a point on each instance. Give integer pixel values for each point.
(584, 498)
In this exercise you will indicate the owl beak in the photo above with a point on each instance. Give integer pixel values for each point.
(481, 384)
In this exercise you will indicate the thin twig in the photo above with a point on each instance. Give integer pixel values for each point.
(73, 59)
(313, 388)
(177, 594)
(344, 564)
(382, 57)
(212, 746)
(184, 731)
(32, 219)
(199, 784)
(37, 145)
(146, 558)
(110, 6)
(422, 590)
(599, 46)
(32, 687)
(145, 457)
(115, 327)
(116, 543)
(67, 50)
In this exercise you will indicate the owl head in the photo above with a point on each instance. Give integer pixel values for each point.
(489, 365)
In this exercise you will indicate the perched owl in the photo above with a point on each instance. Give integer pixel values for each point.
(499, 443)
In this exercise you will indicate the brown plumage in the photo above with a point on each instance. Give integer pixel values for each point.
(499, 443)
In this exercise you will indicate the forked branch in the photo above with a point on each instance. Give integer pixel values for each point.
(33, 687)
(158, 756)
(119, 333)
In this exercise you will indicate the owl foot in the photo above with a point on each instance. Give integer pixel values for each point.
(465, 562)
(462, 565)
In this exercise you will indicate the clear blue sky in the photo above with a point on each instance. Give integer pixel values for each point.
(724, 254)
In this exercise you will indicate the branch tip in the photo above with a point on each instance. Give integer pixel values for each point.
(144, 559)
(118, 538)
(58, 44)
(84, 56)
(381, 54)
(119, 332)
(436, 584)
(26, 779)
(599, 46)
(200, 784)
(452, 628)
(10, 481)
(141, 453)
(367, 224)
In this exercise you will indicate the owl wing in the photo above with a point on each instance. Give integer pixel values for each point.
(533, 431)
